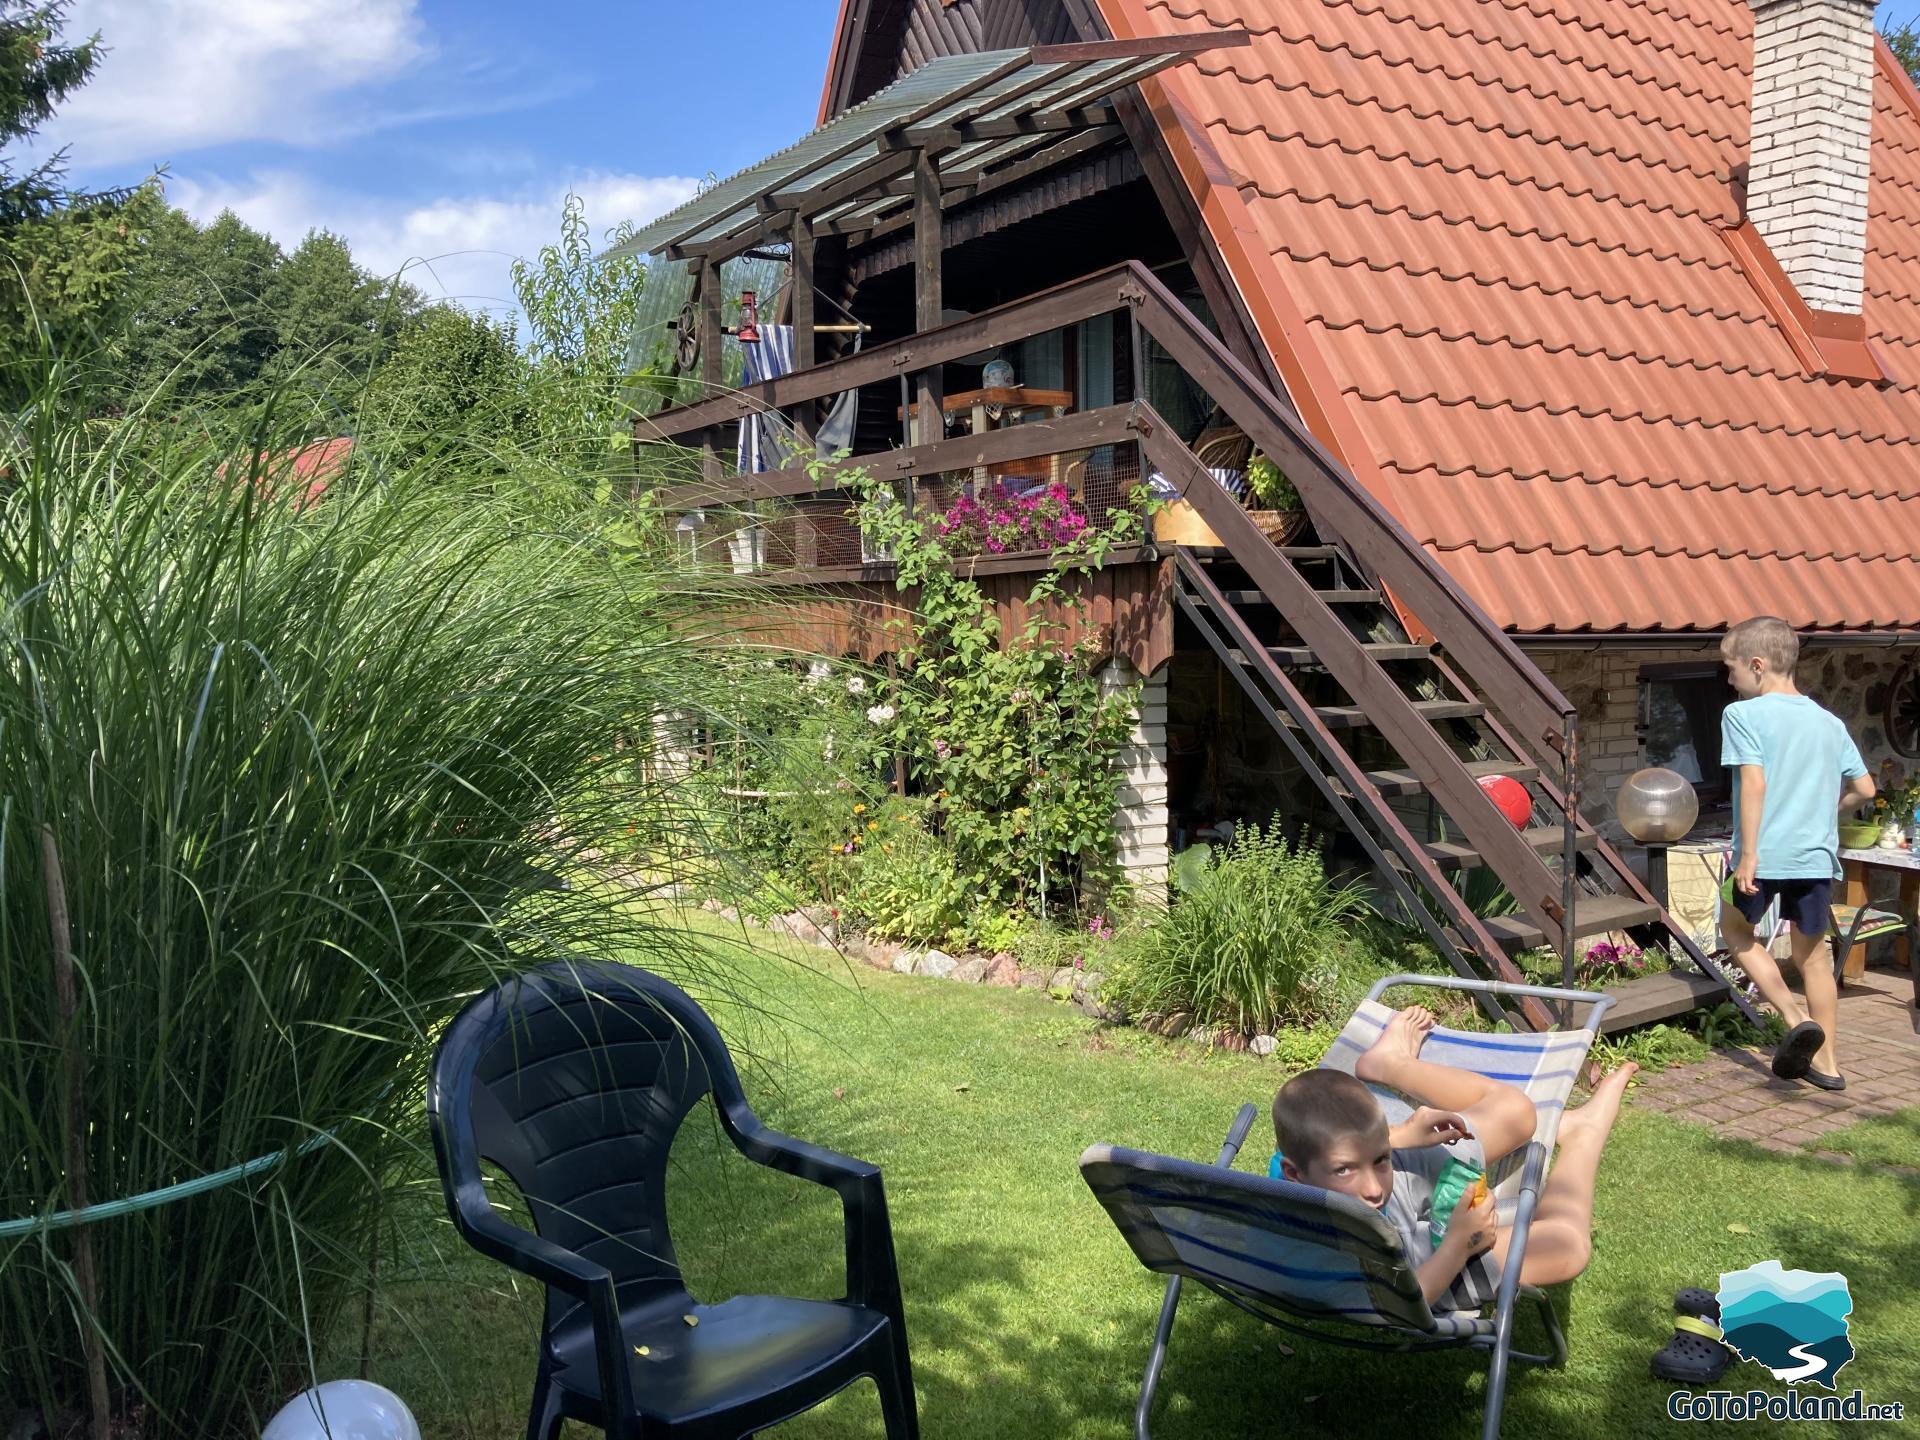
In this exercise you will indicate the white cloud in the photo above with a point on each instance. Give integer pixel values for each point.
(181, 75)
(453, 247)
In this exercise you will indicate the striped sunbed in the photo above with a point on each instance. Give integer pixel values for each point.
(1327, 1265)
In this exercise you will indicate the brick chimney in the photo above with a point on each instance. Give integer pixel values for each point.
(1812, 116)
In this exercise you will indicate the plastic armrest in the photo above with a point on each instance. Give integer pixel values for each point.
(541, 1259)
(1599, 999)
(872, 1274)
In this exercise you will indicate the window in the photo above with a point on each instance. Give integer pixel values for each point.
(1680, 709)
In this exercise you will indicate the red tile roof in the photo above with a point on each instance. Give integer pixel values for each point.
(1483, 238)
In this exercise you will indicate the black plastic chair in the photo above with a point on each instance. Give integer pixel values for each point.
(574, 1079)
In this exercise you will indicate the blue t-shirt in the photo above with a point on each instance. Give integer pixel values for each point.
(1805, 753)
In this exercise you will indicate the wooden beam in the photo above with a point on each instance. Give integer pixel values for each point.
(1090, 295)
(1109, 425)
(708, 287)
(805, 350)
(1082, 51)
(927, 299)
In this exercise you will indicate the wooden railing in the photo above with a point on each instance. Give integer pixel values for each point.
(1344, 512)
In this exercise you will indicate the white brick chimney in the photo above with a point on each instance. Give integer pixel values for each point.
(1812, 116)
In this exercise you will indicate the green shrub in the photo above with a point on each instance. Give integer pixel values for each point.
(304, 765)
(1252, 943)
(904, 884)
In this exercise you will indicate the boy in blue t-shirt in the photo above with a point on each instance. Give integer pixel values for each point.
(1797, 771)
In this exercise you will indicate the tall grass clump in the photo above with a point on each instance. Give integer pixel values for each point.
(1250, 942)
(306, 767)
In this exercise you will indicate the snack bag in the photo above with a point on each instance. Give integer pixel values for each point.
(1457, 1180)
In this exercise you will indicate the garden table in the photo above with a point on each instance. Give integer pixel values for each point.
(1857, 866)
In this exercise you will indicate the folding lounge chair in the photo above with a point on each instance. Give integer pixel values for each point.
(1290, 1253)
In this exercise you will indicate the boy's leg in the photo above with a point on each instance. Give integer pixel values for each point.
(1745, 950)
(1502, 1117)
(1560, 1240)
(1813, 955)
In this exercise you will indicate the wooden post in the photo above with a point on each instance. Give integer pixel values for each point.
(707, 287)
(805, 344)
(926, 286)
(86, 1277)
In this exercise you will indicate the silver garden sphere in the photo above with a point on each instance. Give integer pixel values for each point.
(1657, 806)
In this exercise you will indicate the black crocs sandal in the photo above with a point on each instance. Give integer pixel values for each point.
(1793, 1057)
(1695, 1355)
(1701, 1304)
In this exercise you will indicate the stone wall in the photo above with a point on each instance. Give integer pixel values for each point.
(1142, 818)
(1604, 685)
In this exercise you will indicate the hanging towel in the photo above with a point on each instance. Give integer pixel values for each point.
(767, 442)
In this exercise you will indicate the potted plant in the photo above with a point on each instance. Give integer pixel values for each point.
(1273, 502)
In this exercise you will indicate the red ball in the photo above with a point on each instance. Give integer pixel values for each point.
(1511, 797)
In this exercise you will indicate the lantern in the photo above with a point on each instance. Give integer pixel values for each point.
(749, 331)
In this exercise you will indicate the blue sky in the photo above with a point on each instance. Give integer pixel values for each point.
(440, 136)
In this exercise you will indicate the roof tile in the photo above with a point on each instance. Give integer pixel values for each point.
(1501, 221)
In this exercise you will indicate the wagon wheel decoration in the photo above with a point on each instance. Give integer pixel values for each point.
(1903, 711)
(686, 339)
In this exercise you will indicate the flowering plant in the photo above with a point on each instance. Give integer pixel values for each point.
(998, 521)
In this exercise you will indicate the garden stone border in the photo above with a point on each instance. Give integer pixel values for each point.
(818, 926)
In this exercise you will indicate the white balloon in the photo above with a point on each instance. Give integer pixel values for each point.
(343, 1410)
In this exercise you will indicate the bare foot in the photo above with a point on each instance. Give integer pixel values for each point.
(1595, 1118)
(1406, 1032)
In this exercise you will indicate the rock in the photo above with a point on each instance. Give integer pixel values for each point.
(1202, 1037)
(1263, 1045)
(971, 970)
(904, 962)
(1063, 979)
(728, 914)
(710, 905)
(1230, 1040)
(881, 953)
(1088, 982)
(1177, 1024)
(1091, 1005)
(936, 963)
(1032, 980)
(821, 927)
(1002, 971)
(1153, 1024)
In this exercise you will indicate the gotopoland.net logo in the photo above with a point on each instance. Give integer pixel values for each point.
(1793, 1323)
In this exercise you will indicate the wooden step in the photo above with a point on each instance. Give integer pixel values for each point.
(1241, 598)
(1292, 552)
(1348, 717)
(1678, 991)
(1393, 783)
(1548, 839)
(1592, 915)
(1379, 650)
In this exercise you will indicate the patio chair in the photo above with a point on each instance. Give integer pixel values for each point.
(1325, 1265)
(573, 1079)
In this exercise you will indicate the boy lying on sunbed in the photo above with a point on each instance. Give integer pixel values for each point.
(1333, 1134)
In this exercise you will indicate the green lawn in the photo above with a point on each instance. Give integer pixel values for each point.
(1029, 1317)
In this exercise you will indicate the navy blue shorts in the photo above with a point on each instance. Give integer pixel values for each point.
(1807, 905)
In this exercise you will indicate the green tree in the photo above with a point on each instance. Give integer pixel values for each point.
(328, 310)
(580, 316)
(37, 72)
(63, 254)
(202, 321)
(1904, 41)
(452, 377)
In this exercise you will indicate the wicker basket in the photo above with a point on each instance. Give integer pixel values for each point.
(1282, 527)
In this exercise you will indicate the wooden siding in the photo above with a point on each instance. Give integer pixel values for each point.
(964, 27)
(886, 39)
(1123, 610)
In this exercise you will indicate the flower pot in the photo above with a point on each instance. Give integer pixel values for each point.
(1178, 523)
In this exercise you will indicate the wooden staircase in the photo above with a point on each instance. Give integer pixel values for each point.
(1394, 733)
(1321, 654)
